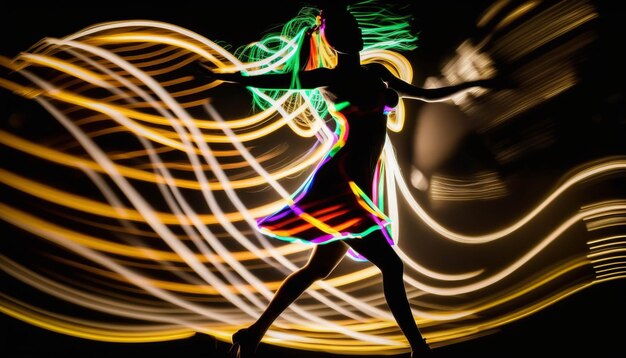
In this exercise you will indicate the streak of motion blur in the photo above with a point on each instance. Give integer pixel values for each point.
(129, 205)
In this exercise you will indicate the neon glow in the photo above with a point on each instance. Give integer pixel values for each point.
(164, 241)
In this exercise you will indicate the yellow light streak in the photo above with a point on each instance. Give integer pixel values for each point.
(74, 161)
(197, 264)
(63, 66)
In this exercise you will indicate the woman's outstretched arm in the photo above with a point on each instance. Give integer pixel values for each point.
(311, 79)
(408, 90)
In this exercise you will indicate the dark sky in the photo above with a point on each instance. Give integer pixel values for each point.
(580, 324)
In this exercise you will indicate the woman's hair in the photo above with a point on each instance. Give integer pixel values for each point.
(301, 46)
(383, 28)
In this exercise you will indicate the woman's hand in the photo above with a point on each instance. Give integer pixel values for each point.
(203, 70)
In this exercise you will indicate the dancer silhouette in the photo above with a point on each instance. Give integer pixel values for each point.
(333, 209)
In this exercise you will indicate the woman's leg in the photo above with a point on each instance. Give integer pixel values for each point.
(322, 261)
(375, 249)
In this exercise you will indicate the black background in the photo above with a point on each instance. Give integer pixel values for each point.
(590, 323)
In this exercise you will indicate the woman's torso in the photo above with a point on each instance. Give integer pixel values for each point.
(361, 97)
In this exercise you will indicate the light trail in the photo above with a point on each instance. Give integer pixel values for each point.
(171, 222)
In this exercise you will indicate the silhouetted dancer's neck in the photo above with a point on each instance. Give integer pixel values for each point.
(348, 61)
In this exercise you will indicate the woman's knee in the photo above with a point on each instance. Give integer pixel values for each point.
(316, 272)
(391, 265)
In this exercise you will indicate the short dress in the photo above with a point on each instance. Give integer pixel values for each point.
(342, 198)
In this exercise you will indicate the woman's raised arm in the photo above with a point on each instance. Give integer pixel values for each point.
(311, 79)
(408, 90)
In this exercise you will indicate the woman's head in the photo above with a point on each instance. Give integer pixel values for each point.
(341, 30)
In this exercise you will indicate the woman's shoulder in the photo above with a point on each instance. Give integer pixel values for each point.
(377, 68)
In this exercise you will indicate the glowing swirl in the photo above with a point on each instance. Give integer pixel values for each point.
(167, 246)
